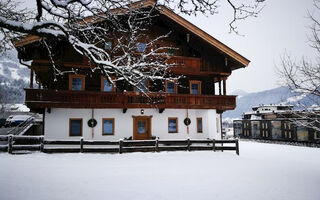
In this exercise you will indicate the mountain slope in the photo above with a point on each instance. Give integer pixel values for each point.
(13, 78)
(280, 95)
(247, 101)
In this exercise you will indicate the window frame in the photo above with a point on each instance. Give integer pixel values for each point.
(175, 118)
(104, 46)
(197, 119)
(175, 86)
(316, 136)
(81, 130)
(138, 46)
(195, 82)
(83, 81)
(147, 87)
(170, 51)
(102, 84)
(113, 124)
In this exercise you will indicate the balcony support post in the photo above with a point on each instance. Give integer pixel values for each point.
(214, 88)
(219, 85)
(31, 79)
(224, 86)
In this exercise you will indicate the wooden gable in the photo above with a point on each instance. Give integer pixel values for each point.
(217, 48)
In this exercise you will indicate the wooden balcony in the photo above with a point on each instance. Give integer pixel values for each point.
(193, 66)
(36, 99)
(182, 65)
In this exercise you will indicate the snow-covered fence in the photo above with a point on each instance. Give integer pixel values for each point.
(37, 143)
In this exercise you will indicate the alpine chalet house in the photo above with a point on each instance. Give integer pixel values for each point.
(86, 105)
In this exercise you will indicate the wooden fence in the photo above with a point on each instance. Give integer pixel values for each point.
(17, 144)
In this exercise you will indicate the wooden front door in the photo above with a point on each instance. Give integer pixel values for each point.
(141, 127)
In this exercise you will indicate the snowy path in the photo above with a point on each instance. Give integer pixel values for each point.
(262, 171)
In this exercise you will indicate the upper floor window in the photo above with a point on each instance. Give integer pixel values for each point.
(142, 86)
(108, 46)
(75, 127)
(195, 87)
(106, 85)
(173, 125)
(170, 51)
(171, 87)
(76, 82)
(141, 47)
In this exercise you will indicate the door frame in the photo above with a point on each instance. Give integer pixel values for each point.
(134, 132)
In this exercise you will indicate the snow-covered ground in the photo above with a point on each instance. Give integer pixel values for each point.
(262, 171)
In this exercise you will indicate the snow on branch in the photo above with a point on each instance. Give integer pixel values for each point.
(89, 26)
(303, 76)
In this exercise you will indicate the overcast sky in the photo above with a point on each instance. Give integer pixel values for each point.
(281, 27)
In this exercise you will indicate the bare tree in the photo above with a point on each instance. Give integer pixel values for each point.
(303, 77)
(88, 24)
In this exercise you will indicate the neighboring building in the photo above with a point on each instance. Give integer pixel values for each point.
(277, 122)
(121, 111)
(270, 111)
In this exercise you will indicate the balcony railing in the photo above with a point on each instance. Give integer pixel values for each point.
(182, 65)
(36, 99)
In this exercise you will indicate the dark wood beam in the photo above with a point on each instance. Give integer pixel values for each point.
(224, 87)
(220, 86)
(31, 78)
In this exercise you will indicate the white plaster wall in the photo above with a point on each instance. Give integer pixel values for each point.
(57, 123)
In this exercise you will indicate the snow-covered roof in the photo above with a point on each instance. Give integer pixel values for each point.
(273, 105)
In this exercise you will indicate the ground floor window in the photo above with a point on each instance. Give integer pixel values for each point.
(317, 135)
(199, 125)
(75, 127)
(173, 125)
(108, 126)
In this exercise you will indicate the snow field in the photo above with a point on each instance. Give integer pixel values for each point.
(262, 171)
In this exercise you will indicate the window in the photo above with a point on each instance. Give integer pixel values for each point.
(173, 125)
(106, 86)
(141, 127)
(317, 135)
(141, 47)
(171, 87)
(108, 126)
(108, 46)
(199, 125)
(195, 87)
(142, 86)
(75, 127)
(76, 82)
(170, 52)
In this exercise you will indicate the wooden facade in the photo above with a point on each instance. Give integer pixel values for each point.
(194, 53)
(190, 59)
